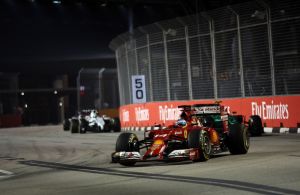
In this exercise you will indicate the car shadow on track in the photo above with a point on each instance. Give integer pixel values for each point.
(238, 185)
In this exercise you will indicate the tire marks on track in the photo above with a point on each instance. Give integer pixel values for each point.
(238, 185)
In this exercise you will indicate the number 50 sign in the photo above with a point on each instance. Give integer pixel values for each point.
(138, 88)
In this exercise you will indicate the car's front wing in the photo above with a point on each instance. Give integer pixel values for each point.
(192, 154)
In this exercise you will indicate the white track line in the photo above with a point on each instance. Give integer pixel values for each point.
(6, 173)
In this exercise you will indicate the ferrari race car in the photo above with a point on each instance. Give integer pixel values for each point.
(89, 120)
(201, 131)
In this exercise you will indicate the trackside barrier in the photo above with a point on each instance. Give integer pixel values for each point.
(279, 113)
(10, 120)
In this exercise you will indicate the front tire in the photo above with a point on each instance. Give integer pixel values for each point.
(127, 142)
(200, 139)
(238, 139)
(83, 126)
(66, 125)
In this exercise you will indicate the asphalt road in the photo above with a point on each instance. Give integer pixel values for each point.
(47, 160)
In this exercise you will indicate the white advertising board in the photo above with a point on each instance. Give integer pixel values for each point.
(138, 88)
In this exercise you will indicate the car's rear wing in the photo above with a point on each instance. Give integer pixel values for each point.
(203, 109)
(185, 108)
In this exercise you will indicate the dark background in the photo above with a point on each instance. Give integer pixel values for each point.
(41, 37)
(42, 40)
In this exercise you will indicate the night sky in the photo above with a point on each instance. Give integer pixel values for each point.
(44, 37)
(33, 34)
(39, 35)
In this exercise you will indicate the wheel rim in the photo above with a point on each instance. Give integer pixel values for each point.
(206, 145)
(246, 139)
(134, 145)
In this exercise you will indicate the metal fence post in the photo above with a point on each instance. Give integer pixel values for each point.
(100, 87)
(270, 41)
(188, 62)
(166, 64)
(240, 51)
(149, 68)
(136, 58)
(78, 89)
(213, 54)
(121, 94)
(128, 74)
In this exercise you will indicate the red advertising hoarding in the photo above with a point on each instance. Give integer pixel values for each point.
(275, 111)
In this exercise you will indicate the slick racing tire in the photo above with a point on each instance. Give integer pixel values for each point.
(74, 126)
(200, 139)
(116, 125)
(83, 126)
(238, 139)
(107, 127)
(127, 142)
(66, 125)
(255, 126)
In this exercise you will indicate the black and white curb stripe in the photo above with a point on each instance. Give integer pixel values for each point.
(281, 130)
(266, 129)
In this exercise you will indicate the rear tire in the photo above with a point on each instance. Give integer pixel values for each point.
(127, 142)
(116, 125)
(238, 139)
(200, 139)
(74, 126)
(255, 125)
(107, 127)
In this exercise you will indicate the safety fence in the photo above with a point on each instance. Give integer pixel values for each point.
(244, 50)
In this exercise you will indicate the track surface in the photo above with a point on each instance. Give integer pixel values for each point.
(47, 160)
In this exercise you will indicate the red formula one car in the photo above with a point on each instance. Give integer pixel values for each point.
(201, 131)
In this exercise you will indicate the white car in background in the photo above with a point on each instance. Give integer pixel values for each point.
(90, 120)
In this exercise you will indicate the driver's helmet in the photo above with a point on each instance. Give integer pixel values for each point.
(93, 113)
(181, 122)
(195, 121)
